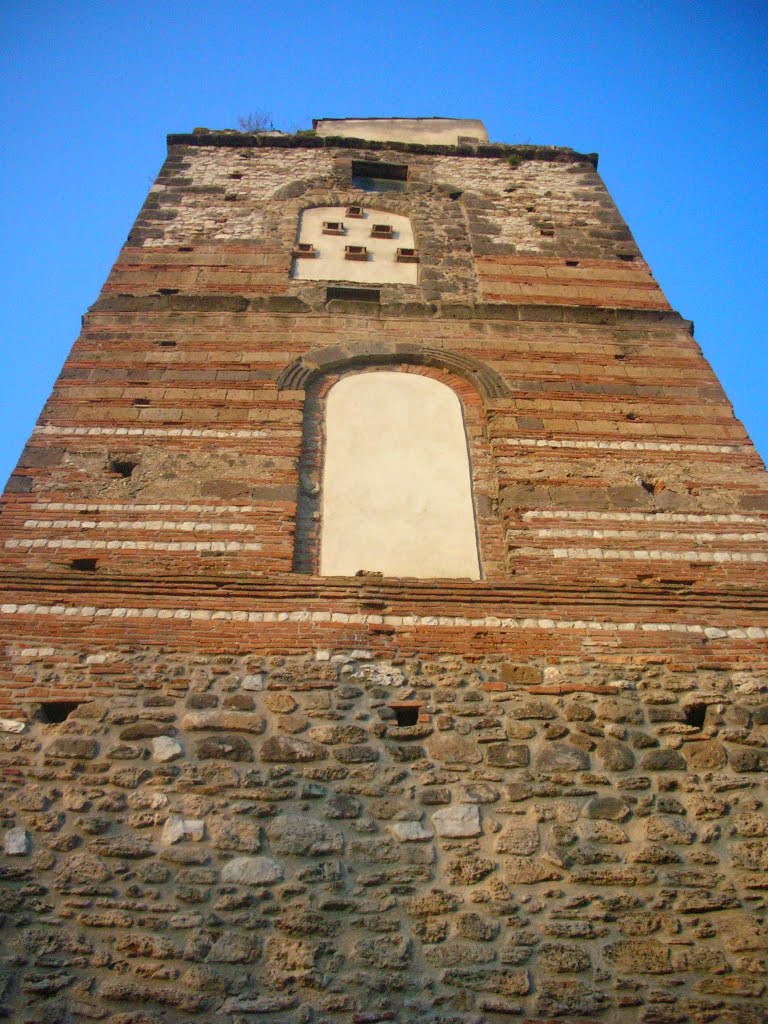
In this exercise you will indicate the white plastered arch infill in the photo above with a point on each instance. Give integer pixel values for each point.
(397, 492)
(329, 262)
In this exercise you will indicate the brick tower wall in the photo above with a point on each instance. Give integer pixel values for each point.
(236, 790)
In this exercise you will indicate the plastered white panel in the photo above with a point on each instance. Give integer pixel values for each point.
(329, 264)
(430, 131)
(397, 494)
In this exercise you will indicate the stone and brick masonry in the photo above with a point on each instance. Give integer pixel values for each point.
(237, 791)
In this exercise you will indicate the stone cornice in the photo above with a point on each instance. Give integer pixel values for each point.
(308, 140)
(599, 315)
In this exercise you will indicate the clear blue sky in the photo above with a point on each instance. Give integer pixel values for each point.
(672, 95)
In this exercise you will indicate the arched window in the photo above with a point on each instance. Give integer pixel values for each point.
(396, 485)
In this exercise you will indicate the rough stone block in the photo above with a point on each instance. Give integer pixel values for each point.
(458, 822)
(296, 835)
(74, 747)
(16, 842)
(12, 725)
(562, 757)
(252, 871)
(166, 748)
(290, 750)
(177, 829)
(410, 831)
(224, 748)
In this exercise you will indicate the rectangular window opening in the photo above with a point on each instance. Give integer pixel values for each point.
(304, 250)
(382, 231)
(333, 227)
(83, 564)
(353, 294)
(373, 176)
(355, 212)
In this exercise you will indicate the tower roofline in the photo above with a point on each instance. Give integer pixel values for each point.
(231, 139)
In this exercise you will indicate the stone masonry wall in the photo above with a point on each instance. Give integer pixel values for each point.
(224, 220)
(235, 838)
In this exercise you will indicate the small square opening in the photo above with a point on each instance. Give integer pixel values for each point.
(695, 715)
(355, 212)
(407, 256)
(355, 252)
(406, 714)
(333, 227)
(382, 231)
(122, 467)
(304, 250)
(53, 712)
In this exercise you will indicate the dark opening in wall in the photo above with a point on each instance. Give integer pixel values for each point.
(372, 176)
(166, 344)
(356, 252)
(695, 714)
(122, 467)
(406, 714)
(51, 712)
(354, 294)
(83, 564)
(140, 401)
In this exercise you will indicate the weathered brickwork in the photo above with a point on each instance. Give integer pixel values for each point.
(234, 790)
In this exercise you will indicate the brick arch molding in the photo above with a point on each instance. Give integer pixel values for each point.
(301, 373)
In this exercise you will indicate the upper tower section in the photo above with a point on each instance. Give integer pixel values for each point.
(424, 131)
(398, 210)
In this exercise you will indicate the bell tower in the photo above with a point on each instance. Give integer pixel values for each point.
(384, 610)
